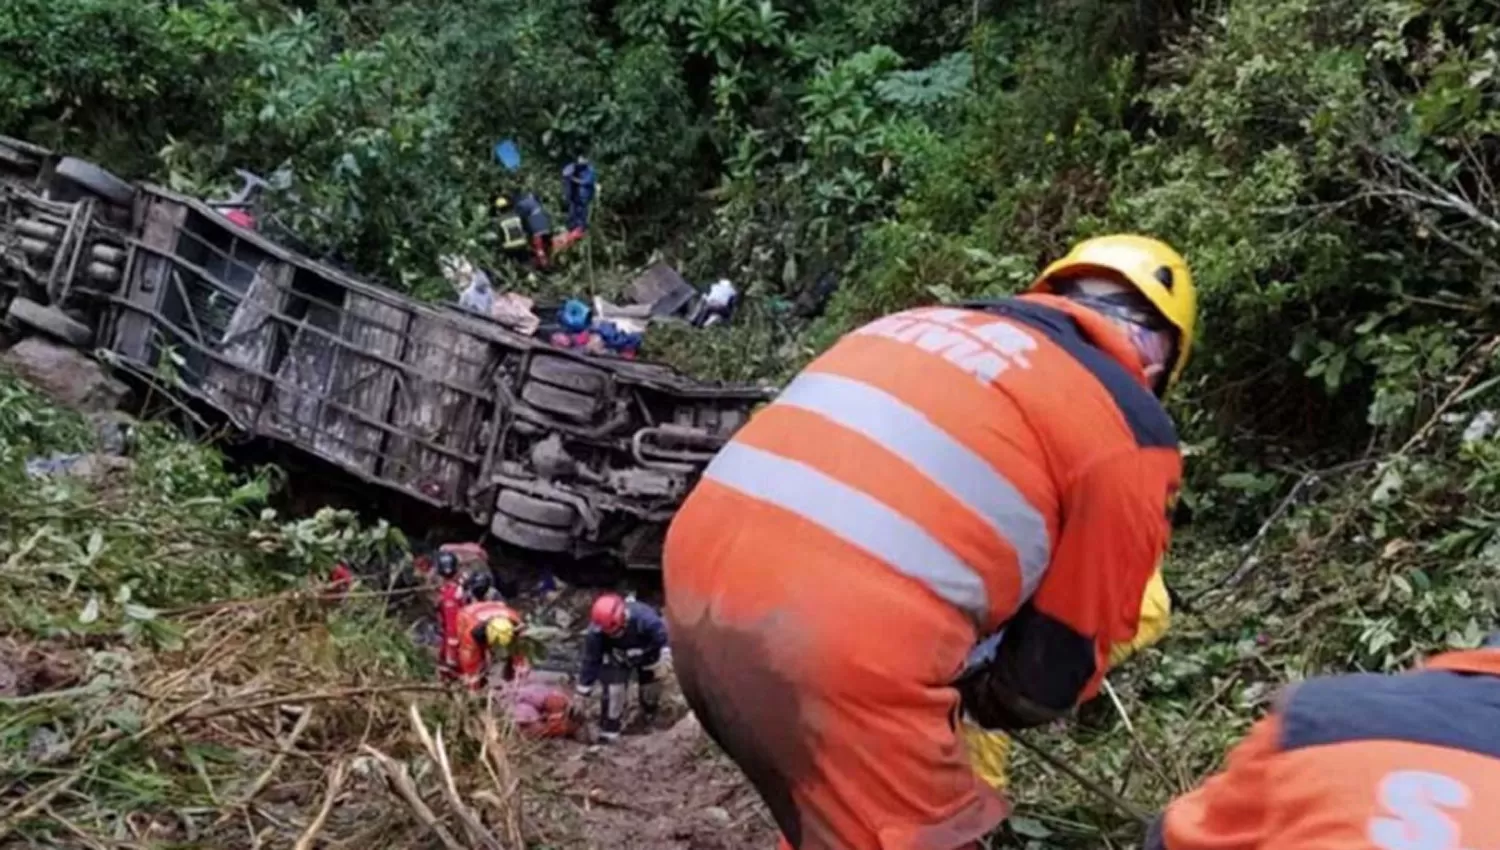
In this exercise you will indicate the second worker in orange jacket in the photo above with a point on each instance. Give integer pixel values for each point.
(1359, 762)
(937, 476)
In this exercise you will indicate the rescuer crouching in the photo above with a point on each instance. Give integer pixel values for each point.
(626, 640)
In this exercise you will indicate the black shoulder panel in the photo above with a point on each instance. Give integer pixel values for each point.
(1436, 707)
(1147, 419)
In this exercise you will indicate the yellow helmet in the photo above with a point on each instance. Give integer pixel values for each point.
(1152, 267)
(502, 203)
(499, 631)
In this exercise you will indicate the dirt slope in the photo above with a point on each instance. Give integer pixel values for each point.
(666, 790)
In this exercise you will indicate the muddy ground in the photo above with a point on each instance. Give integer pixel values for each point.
(660, 790)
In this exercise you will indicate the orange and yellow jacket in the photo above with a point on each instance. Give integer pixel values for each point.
(1361, 762)
(1008, 458)
(473, 655)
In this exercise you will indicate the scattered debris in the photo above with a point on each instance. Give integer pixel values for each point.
(517, 312)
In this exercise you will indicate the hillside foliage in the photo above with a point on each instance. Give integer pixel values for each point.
(1327, 166)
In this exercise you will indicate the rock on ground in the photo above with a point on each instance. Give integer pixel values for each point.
(90, 467)
(69, 376)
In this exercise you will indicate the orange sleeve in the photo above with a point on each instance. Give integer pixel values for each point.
(1115, 531)
(1227, 812)
(1056, 648)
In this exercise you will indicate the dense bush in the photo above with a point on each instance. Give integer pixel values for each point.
(1325, 165)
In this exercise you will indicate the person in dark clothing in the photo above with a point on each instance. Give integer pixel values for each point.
(524, 223)
(625, 640)
(480, 586)
(579, 188)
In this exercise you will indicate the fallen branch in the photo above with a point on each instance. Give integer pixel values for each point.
(29, 805)
(1138, 745)
(1247, 562)
(319, 696)
(594, 797)
(335, 784)
(312, 594)
(1098, 790)
(1481, 358)
(287, 744)
(78, 831)
(478, 835)
(492, 754)
(94, 688)
(400, 780)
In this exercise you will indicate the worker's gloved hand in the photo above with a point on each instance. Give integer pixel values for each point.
(583, 690)
(993, 705)
(1014, 681)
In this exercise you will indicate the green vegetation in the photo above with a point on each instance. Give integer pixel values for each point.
(157, 626)
(1325, 165)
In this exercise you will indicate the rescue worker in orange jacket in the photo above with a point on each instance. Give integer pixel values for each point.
(936, 476)
(485, 631)
(1362, 762)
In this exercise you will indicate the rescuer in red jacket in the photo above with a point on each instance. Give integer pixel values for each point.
(1363, 762)
(937, 476)
(451, 599)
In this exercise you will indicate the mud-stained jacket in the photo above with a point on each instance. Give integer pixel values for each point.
(1008, 458)
(640, 645)
(1361, 762)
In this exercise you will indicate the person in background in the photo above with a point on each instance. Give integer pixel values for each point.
(538, 229)
(511, 227)
(524, 223)
(340, 582)
(579, 190)
(626, 639)
(1359, 762)
(479, 586)
(488, 632)
(450, 602)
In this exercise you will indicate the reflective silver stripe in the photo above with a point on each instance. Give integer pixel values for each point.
(854, 516)
(906, 433)
(982, 653)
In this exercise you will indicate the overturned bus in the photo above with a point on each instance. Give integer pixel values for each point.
(551, 450)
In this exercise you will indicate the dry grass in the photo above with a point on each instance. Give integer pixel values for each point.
(265, 729)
